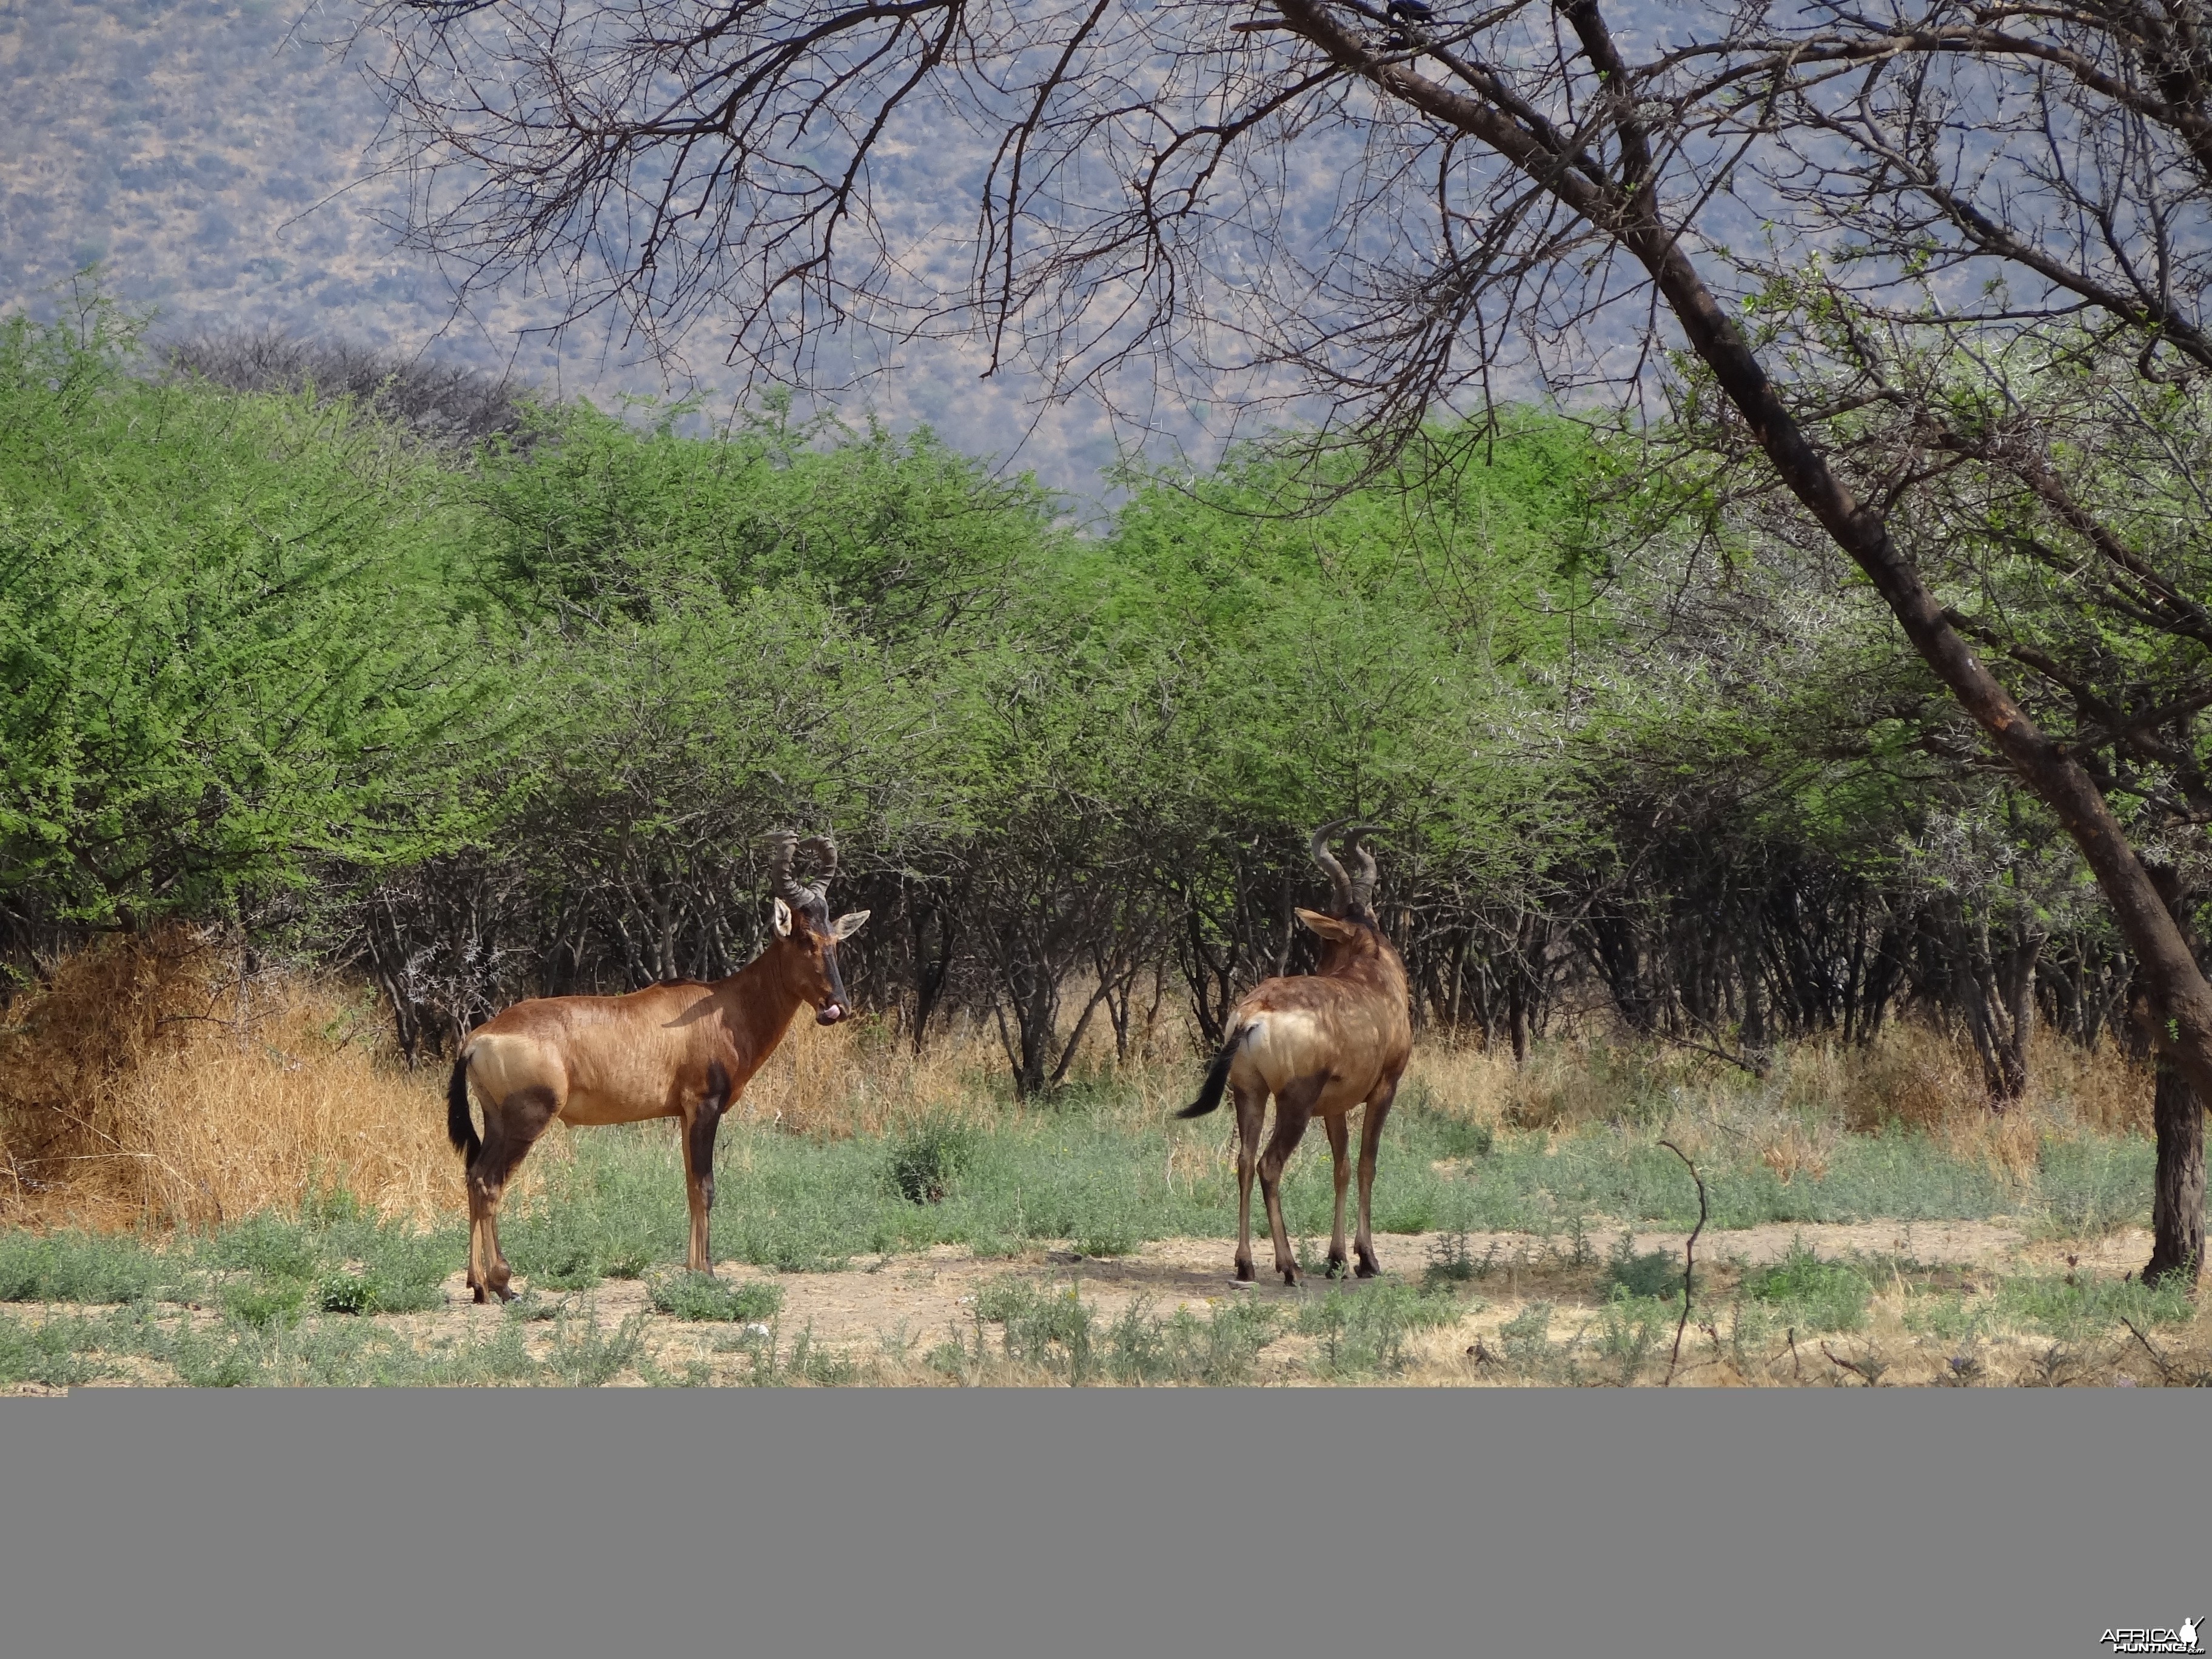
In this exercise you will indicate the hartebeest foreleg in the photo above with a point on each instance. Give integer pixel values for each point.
(1370, 1141)
(1340, 1152)
(700, 1124)
(1293, 1111)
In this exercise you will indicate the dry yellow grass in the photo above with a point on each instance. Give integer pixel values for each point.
(1816, 1092)
(139, 1084)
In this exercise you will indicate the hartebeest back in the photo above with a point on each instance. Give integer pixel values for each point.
(683, 1049)
(1321, 1043)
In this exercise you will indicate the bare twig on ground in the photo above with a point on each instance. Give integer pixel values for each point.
(1864, 1375)
(1689, 1247)
(2166, 1369)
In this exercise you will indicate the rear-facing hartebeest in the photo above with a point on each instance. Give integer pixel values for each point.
(1321, 1043)
(681, 1049)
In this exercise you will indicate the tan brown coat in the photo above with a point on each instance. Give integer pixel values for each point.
(683, 1049)
(1320, 1044)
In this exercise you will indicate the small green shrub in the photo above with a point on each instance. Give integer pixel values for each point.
(1107, 1227)
(1526, 1337)
(408, 1269)
(213, 1359)
(266, 1303)
(79, 1266)
(1448, 1134)
(1412, 1213)
(50, 1353)
(583, 1355)
(347, 1293)
(2085, 1307)
(703, 1298)
(1653, 1273)
(1219, 1350)
(1451, 1263)
(1459, 1137)
(1820, 1295)
(2087, 1189)
(375, 1293)
(559, 1250)
(1629, 1329)
(824, 1368)
(1049, 1327)
(1365, 1331)
(268, 1245)
(924, 1158)
(1948, 1316)
(948, 1359)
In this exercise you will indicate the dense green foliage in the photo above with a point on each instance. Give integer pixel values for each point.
(239, 638)
(511, 719)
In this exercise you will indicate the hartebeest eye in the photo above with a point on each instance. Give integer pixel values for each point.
(849, 924)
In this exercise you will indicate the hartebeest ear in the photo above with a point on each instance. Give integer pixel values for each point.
(849, 924)
(1328, 926)
(782, 920)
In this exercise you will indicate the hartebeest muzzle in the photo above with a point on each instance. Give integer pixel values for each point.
(835, 1007)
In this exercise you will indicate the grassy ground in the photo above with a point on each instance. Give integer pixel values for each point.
(1524, 1272)
(202, 1181)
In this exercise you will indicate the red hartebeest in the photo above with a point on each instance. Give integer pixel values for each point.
(680, 1050)
(1321, 1043)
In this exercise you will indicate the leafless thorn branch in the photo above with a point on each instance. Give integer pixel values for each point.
(1689, 1253)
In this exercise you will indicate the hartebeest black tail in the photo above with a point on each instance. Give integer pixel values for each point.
(461, 1129)
(1217, 1079)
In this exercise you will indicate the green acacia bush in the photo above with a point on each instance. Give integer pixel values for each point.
(237, 635)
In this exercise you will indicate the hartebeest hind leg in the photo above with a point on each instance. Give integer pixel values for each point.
(1340, 1152)
(1293, 1110)
(511, 1128)
(1371, 1138)
(1251, 1117)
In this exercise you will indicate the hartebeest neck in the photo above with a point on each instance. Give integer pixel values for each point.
(1371, 961)
(757, 1005)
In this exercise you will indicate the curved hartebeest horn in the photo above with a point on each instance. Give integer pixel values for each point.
(825, 849)
(1363, 885)
(783, 846)
(1339, 884)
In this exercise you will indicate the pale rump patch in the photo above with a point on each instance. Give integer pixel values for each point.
(501, 1063)
(1285, 1044)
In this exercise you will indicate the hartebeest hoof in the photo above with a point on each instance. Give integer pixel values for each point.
(1369, 1270)
(1336, 1266)
(1244, 1273)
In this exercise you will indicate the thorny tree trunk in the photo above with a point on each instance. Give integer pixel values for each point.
(1525, 967)
(1750, 946)
(1995, 993)
(2177, 1207)
(926, 905)
(1626, 205)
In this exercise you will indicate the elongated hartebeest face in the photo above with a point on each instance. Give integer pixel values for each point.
(807, 940)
